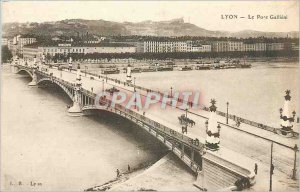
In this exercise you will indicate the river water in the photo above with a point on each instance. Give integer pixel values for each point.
(40, 143)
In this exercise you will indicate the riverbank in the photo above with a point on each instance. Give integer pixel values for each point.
(169, 173)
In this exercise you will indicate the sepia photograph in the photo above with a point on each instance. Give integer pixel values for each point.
(149, 95)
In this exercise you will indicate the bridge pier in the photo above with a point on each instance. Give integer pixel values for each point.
(34, 76)
(76, 109)
(34, 79)
(13, 68)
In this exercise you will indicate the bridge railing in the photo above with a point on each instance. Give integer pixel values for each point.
(194, 143)
(249, 122)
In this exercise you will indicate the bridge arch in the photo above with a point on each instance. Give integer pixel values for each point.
(26, 71)
(64, 88)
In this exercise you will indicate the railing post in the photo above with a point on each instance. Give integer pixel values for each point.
(192, 154)
(182, 150)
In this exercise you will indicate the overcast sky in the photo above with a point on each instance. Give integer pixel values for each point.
(203, 14)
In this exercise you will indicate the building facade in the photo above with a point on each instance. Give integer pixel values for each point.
(66, 48)
(4, 41)
(235, 46)
(275, 46)
(220, 46)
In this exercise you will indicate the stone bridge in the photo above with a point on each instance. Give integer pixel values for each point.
(212, 168)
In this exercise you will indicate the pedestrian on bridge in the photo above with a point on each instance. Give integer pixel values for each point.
(118, 173)
(129, 168)
(255, 169)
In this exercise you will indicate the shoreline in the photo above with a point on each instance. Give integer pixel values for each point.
(122, 178)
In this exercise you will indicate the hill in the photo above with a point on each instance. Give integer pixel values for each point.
(175, 27)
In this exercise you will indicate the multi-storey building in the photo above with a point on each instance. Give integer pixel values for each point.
(295, 47)
(25, 40)
(220, 46)
(4, 41)
(65, 48)
(249, 47)
(31, 51)
(165, 47)
(171, 46)
(18, 42)
(275, 46)
(255, 47)
(235, 46)
(180, 46)
(260, 46)
(151, 46)
(201, 48)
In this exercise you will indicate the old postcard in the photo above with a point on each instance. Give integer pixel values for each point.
(150, 96)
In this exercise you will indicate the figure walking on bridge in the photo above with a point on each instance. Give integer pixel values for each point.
(255, 169)
(129, 168)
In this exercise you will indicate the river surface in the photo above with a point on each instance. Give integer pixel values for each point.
(40, 143)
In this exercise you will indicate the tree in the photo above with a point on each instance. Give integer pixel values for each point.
(6, 54)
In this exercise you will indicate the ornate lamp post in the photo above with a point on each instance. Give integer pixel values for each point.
(43, 59)
(227, 113)
(134, 84)
(295, 162)
(219, 128)
(102, 85)
(186, 112)
(206, 125)
(213, 129)
(85, 68)
(128, 74)
(171, 95)
(70, 64)
(271, 167)
(287, 118)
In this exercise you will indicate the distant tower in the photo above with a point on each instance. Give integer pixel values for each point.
(286, 116)
(213, 129)
(128, 74)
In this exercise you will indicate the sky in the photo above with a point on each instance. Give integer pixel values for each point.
(205, 14)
